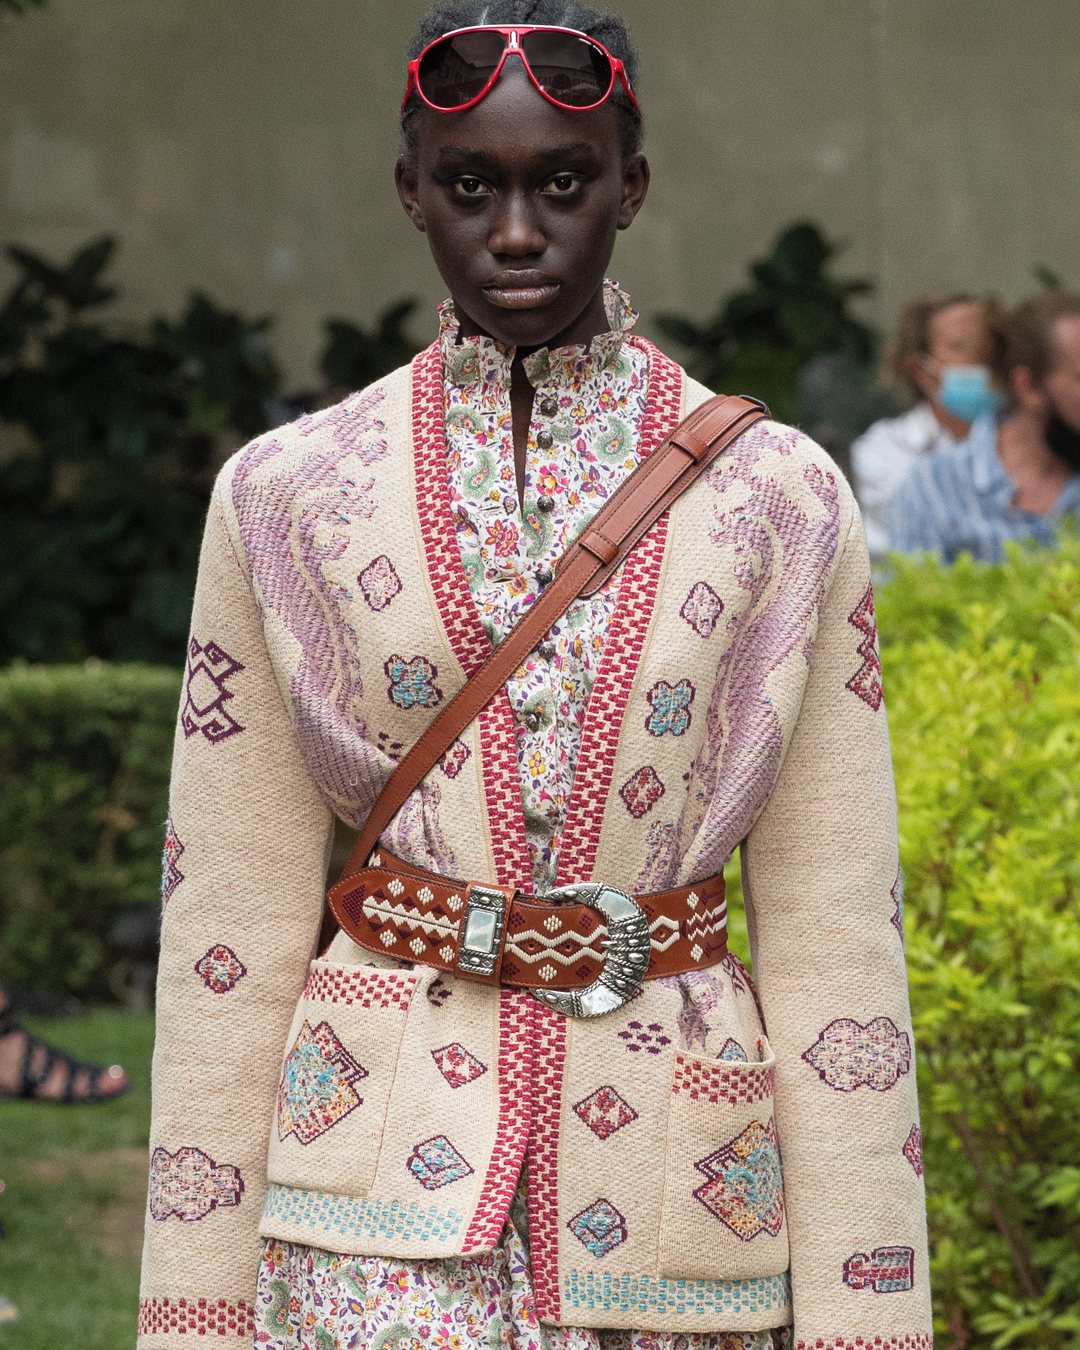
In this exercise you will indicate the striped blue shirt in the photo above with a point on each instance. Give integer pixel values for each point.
(960, 501)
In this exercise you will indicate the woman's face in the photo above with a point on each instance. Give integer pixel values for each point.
(520, 201)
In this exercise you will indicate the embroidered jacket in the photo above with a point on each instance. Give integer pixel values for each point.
(357, 1106)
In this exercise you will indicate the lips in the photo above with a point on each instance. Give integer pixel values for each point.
(523, 291)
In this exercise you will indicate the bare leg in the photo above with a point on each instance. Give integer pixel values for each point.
(30, 1068)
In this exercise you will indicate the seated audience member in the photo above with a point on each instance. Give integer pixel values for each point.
(941, 355)
(1018, 472)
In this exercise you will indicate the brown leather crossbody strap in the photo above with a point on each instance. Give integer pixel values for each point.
(581, 571)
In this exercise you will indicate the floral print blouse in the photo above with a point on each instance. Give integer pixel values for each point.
(583, 442)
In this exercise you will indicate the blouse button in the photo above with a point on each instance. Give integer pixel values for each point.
(544, 440)
(545, 576)
(548, 407)
(545, 504)
(547, 650)
(531, 721)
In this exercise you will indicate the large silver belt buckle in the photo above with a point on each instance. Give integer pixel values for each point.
(626, 952)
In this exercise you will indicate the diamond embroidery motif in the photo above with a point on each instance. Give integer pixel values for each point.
(220, 969)
(604, 1111)
(457, 1065)
(547, 971)
(745, 1190)
(412, 682)
(171, 876)
(454, 759)
(913, 1150)
(641, 791)
(732, 1050)
(866, 682)
(701, 609)
(600, 1228)
(670, 707)
(317, 1081)
(436, 1162)
(379, 582)
(395, 887)
(206, 693)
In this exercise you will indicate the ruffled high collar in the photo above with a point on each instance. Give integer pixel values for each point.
(483, 360)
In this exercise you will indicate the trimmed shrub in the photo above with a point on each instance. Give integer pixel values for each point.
(982, 676)
(84, 768)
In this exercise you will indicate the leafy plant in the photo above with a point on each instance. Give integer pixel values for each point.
(84, 770)
(21, 6)
(354, 357)
(982, 671)
(792, 312)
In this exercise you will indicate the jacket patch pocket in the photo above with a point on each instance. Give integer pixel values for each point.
(723, 1212)
(336, 1076)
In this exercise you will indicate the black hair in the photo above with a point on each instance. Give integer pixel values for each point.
(608, 29)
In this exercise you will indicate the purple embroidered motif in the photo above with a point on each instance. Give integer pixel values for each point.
(600, 1228)
(866, 682)
(782, 556)
(661, 857)
(379, 582)
(848, 1055)
(220, 969)
(897, 918)
(438, 993)
(453, 761)
(641, 791)
(293, 524)
(173, 851)
(317, 1086)
(700, 992)
(649, 1038)
(670, 708)
(701, 609)
(206, 693)
(457, 1066)
(604, 1111)
(412, 682)
(745, 1190)
(189, 1184)
(887, 1270)
(912, 1150)
(436, 1162)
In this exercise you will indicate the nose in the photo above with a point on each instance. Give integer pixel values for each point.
(516, 231)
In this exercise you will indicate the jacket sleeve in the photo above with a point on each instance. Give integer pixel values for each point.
(822, 885)
(245, 854)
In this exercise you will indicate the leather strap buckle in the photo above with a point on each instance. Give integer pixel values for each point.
(626, 952)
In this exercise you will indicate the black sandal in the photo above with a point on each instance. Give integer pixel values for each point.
(31, 1079)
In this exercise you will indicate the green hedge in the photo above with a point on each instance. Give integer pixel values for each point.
(982, 676)
(84, 767)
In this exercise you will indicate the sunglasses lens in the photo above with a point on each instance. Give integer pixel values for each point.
(569, 69)
(454, 72)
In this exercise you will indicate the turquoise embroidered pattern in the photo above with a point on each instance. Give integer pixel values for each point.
(670, 705)
(625, 1293)
(321, 1215)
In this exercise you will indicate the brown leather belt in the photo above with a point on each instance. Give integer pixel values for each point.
(583, 950)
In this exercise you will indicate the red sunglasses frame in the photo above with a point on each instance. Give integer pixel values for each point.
(514, 32)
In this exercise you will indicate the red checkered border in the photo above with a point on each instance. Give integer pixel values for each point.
(365, 989)
(736, 1083)
(196, 1317)
(549, 1061)
(919, 1340)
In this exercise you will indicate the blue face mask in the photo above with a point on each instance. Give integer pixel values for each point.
(966, 392)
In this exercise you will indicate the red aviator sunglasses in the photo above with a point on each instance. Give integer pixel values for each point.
(569, 68)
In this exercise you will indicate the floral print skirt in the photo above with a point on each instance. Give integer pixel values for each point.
(309, 1299)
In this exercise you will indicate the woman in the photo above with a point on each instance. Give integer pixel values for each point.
(376, 1122)
(943, 358)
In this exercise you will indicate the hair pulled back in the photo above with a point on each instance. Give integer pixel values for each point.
(607, 29)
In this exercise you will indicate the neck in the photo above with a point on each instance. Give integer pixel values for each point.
(1038, 473)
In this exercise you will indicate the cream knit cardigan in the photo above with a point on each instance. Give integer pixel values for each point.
(360, 1107)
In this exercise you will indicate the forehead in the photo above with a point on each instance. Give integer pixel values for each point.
(955, 323)
(515, 122)
(1066, 344)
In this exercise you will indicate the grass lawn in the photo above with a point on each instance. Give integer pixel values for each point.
(75, 1193)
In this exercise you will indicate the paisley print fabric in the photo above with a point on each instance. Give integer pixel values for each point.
(583, 442)
(315, 1300)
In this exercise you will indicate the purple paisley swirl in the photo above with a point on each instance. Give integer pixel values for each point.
(781, 553)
